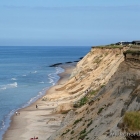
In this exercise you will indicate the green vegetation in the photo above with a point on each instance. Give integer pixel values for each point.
(82, 134)
(114, 46)
(93, 92)
(77, 121)
(133, 52)
(82, 137)
(111, 46)
(89, 123)
(90, 130)
(72, 131)
(65, 132)
(83, 131)
(132, 120)
(100, 110)
(97, 60)
(83, 101)
(102, 86)
(65, 112)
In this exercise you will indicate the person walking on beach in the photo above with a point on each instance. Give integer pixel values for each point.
(36, 106)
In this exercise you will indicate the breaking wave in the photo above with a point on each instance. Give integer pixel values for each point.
(13, 85)
(53, 77)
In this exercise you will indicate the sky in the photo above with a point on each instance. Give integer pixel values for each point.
(68, 23)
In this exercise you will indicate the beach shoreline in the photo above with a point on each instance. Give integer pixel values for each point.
(32, 121)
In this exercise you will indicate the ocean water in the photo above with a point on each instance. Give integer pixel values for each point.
(25, 75)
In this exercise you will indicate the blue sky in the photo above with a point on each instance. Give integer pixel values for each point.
(68, 23)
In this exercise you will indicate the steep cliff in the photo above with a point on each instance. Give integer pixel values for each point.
(101, 89)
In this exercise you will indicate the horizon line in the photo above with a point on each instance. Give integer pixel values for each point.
(45, 46)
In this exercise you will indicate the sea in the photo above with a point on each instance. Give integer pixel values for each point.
(25, 75)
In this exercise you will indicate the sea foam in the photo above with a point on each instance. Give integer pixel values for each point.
(13, 79)
(12, 85)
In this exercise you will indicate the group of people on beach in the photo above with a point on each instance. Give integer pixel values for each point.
(35, 138)
(17, 113)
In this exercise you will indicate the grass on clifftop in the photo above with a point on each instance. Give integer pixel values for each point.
(133, 52)
(132, 120)
(111, 46)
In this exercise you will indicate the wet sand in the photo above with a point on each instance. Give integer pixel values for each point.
(38, 122)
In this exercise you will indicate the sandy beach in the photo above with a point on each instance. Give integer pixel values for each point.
(38, 122)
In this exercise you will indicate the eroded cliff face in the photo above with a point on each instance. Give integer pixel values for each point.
(93, 71)
(100, 90)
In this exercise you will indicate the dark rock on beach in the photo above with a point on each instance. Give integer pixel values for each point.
(68, 62)
(81, 58)
(55, 65)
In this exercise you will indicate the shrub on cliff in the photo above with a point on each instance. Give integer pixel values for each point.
(132, 120)
(83, 101)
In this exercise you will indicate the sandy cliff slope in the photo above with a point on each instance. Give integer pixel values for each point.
(100, 90)
(93, 71)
